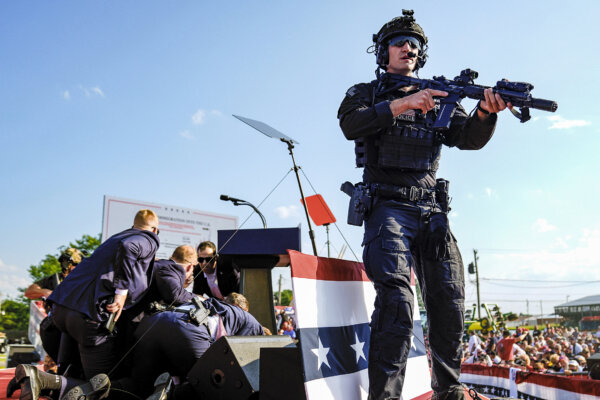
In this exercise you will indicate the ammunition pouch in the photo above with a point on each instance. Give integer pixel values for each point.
(409, 148)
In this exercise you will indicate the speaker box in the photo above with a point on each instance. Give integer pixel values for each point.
(230, 368)
(281, 374)
(594, 366)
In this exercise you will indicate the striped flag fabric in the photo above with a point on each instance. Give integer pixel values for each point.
(334, 301)
(505, 381)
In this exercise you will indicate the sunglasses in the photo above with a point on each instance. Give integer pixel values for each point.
(157, 230)
(400, 41)
(205, 259)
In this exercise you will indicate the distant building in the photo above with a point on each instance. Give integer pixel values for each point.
(575, 310)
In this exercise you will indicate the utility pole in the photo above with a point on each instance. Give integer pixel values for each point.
(527, 306)
(477, 282)
(279, 296)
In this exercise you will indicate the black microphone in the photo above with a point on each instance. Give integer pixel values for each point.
(224, 197)
(411, 54)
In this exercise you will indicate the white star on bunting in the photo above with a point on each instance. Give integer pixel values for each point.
(321, 354)
(358, 348)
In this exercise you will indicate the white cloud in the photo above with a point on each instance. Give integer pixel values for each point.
(66, 95)
(488, 191)
(199, 117)
(13, 278)
(85, 91)
(285, 212)
(98, 91)
(217, 113)
(578, 261)
(561, 243)
(559, 122)
(89, 91)
(186, 135)
(541, 225)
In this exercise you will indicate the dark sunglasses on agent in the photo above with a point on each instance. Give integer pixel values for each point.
(399, 41)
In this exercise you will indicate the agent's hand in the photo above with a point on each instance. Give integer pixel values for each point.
(422, 100)
(117, 305)
(493, 103)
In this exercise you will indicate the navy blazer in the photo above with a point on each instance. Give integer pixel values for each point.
(170, 278)
(123, 261)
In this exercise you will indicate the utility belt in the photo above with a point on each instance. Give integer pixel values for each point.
(362, 196)
(410, 193)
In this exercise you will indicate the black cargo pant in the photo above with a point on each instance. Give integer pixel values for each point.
(398, 238)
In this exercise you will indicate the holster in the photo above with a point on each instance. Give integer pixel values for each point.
(360, 202)
(200, 314)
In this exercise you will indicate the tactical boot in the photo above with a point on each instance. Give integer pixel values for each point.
(12, 387)
(162, 387)
(97, 388)
(455, 393)
(27, 377)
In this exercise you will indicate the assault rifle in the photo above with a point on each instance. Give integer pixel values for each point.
(517, 93)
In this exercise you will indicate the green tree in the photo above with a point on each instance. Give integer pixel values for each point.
(50, 265)
(15, 312)
(14, 316)
(286, 297)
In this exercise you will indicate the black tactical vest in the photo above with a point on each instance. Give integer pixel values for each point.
(409, 145)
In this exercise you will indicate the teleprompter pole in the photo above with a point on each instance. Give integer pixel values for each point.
(311, 234)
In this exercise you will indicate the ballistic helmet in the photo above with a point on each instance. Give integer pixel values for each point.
(405, 26)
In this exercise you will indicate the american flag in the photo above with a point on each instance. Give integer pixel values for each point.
(334, 301)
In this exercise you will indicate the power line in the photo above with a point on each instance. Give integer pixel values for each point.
(533, 280)
(537, 288)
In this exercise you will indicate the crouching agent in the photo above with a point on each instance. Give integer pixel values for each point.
(168, 341)
(172, 342)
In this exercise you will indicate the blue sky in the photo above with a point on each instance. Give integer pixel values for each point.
(134, 99)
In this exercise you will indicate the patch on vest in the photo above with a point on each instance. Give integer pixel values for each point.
(352, 91)
(408, 115)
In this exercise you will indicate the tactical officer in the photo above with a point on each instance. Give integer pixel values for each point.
(406, 218)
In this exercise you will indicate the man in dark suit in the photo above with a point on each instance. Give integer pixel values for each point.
(212, 276)
(111, 281)
(172, 276)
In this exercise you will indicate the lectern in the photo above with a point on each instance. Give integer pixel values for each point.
(255, 252)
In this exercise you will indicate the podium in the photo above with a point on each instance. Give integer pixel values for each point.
(256, 252)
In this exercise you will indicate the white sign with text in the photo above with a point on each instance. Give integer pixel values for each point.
(178, 225)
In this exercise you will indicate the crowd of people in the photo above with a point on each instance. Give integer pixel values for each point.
(553, 350)
(121, 322)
